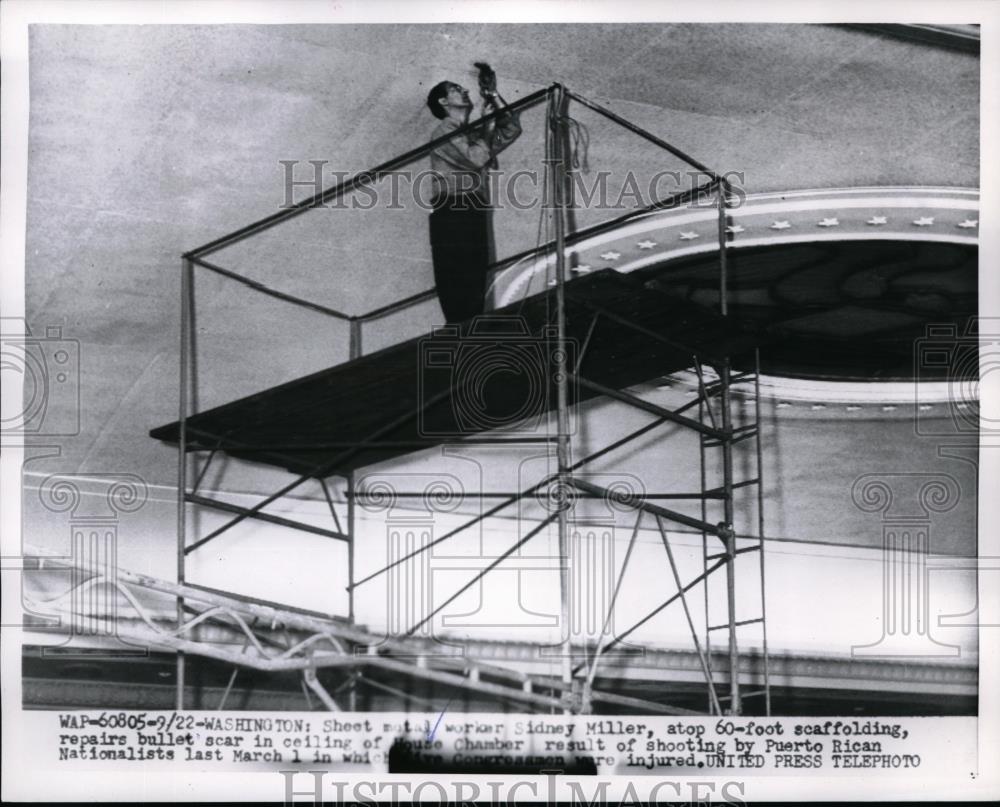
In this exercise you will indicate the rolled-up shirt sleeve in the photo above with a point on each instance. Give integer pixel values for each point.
(506, 131)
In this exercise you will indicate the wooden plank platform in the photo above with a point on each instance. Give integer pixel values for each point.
(492, 374)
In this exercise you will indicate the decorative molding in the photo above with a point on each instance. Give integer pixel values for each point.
(831, 214)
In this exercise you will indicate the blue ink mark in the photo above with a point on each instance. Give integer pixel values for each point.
(433, 731)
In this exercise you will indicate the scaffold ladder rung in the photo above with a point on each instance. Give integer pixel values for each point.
(727, 626)
(737, 437)
(721, 490)
(723, 417)
(739, 378)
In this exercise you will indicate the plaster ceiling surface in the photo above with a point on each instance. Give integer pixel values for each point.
(146, 141)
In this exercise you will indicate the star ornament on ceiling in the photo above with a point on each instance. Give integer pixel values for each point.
(828, 222)
(583, 269)
(610, 255)
(735, 228)
(875, 221)
(968, 223)
(647, 244)
(688, 236)
(780, 225)
(924, 221)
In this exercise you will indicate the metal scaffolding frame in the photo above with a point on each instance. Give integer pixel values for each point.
(352, 646)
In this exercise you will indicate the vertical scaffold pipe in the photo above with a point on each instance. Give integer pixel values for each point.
(187, 286)
(702, 403)
(760, 532)
(349, 487)
(355, 353)
(355, 347)
(558, 102)
(735, 706)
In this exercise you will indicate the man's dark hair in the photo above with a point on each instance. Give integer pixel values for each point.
(438, 91)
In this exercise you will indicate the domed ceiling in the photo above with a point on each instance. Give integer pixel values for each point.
(841, 285)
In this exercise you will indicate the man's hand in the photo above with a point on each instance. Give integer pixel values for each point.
(487, 82)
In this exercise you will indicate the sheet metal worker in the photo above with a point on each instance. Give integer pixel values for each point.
(461, 224)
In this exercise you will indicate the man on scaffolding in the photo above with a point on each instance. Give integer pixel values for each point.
(461, 226)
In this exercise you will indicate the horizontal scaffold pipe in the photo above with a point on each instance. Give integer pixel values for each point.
(280, 295)
(361, 179)
(621, 441)
(406, 302)
(627, 323)
(638, 502)
(671, 201)
(646, 406)
(226, 507)
(652, 138)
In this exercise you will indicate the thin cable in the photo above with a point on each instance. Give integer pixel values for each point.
(580, 143)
